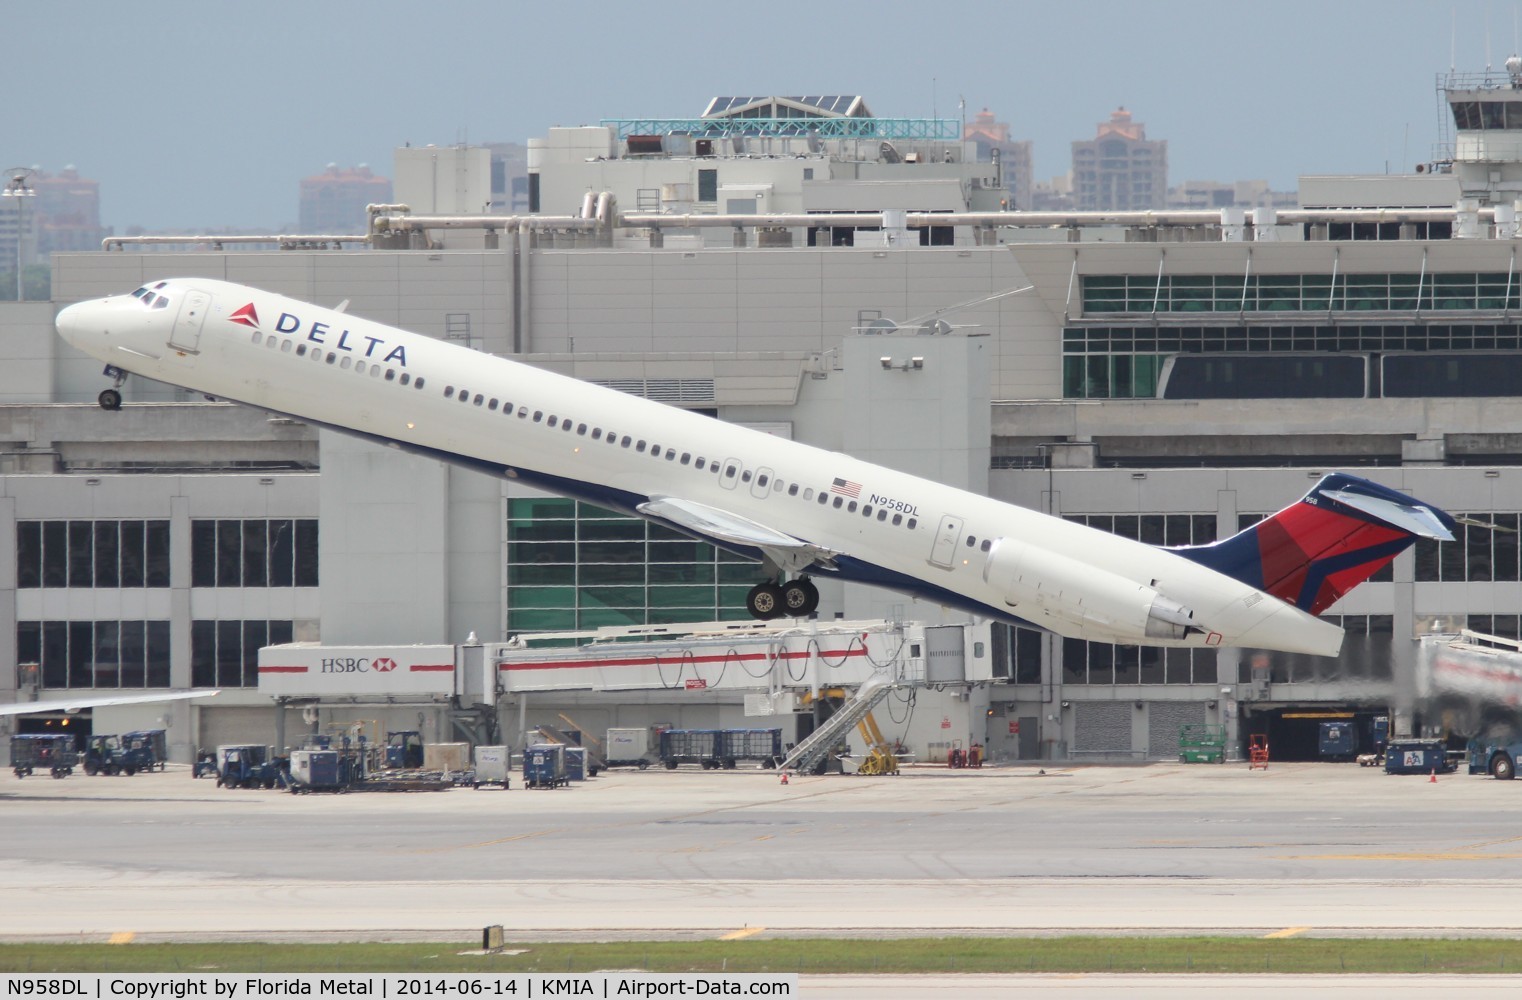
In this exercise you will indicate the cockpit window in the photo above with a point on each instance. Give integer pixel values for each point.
(140, 293)
(160, 285)
(160, 303)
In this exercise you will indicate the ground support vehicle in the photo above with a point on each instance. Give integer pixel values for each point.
(34, 752)
(205, 765)
(1497, 759)
(404, 750)
(702, 747)
(1200, 743)
(104, 755)
(544, 766)
(145, 749)
(248, 766)
(493, 766)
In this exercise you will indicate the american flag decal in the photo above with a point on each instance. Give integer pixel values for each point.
(846, 488)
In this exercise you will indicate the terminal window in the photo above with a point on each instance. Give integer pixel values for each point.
(96, 654)
(92, 554)
(275, 552)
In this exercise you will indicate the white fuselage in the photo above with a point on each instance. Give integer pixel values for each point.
(617, 450)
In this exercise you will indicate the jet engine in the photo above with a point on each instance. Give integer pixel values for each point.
(1077, 598)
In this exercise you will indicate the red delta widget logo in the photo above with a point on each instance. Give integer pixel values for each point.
(356, 665)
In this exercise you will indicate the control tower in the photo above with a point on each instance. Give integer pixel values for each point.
(1486, 148)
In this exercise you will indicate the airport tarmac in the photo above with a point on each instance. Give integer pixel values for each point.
(1312, 849)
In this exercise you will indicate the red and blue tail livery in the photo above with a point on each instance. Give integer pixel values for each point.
(1337, 536)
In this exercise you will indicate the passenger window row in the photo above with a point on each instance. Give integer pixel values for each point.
(344, 361)
(685, 458)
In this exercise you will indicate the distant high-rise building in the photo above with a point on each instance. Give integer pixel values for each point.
(1120, 169)
(333, 202)
(509, 178)
(68, 212)
(991, 138)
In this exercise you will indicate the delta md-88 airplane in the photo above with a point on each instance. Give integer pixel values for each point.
(801, 510)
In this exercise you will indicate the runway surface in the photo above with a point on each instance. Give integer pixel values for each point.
(1307, 849)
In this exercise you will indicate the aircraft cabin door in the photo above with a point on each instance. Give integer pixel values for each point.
(946, 535)
(186, 334)
(729, 476)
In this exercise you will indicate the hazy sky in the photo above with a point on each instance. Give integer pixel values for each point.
(203, 113)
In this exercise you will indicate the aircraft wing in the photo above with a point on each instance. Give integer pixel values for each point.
(787, 551)
(96, 701)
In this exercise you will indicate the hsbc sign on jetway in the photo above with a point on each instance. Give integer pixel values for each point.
(305, 669)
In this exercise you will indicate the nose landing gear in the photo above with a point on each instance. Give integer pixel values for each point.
(795, 599)
(111, 399)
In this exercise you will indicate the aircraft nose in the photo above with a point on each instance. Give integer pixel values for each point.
(74, 324)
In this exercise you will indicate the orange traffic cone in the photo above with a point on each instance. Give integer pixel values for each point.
(1433, 780)
(784, 777)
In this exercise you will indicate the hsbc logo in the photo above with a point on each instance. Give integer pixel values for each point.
(383, 664)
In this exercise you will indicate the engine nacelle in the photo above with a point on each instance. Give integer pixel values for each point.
(1075, 598)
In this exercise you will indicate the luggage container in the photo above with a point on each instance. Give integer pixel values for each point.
(763, 745)
(1418, 757)
(55, 754)
(1338, 740)
(317, 771)
(576, 763)
(493, 765)
(628, 748)
(544, 766)
(691, 746)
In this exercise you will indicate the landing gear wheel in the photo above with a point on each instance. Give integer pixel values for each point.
(764, 601)
(800, 598)
(109, 399)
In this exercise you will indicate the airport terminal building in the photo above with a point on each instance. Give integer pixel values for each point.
(1171, 377)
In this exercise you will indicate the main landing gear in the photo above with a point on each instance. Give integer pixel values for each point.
(111, 399)
(795, 599)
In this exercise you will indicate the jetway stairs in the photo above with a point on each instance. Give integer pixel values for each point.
(806, 755)
(592, 745)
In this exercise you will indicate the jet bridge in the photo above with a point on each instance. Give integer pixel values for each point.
(777, 661)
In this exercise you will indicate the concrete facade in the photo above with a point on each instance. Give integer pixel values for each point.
(412, 551)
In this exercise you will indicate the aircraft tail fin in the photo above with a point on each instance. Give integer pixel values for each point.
(1325, 544)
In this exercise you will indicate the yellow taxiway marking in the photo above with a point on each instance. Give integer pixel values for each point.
(121, 937)
(1432, 856)
(743, 932)
(1287, 932)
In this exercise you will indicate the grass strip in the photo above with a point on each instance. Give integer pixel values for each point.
(896, 955)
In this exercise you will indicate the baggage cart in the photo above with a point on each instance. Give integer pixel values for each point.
(762, 745)
(691, 746)
(32, 753)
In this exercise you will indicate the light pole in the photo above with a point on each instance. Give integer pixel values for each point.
(18, 188)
